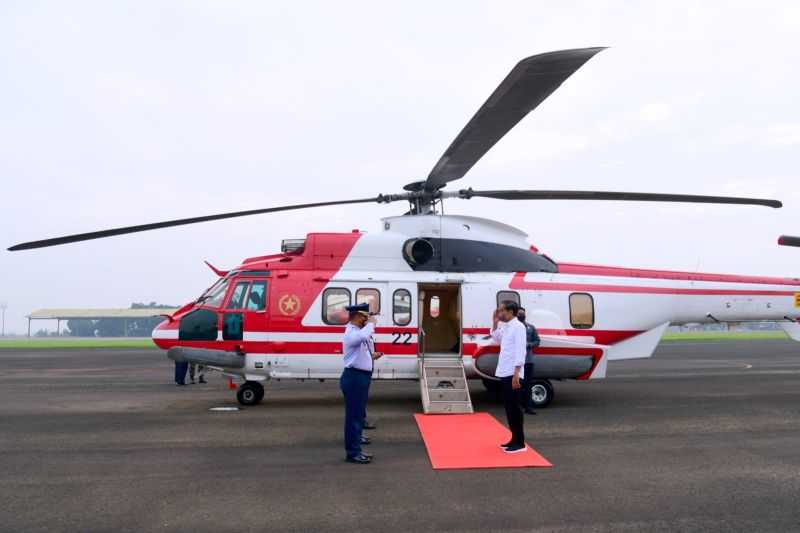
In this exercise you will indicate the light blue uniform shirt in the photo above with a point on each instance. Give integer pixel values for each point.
(355, 346)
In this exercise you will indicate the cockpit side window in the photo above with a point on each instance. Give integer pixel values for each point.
(216, 294)
(257, 298)
(239, 293)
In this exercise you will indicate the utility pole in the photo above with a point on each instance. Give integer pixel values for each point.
(3, 307)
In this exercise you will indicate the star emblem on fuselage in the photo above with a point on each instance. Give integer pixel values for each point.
(289, 304)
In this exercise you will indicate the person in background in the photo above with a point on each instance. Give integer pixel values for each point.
(358, 365)
(532, 341)
(510, 333)
(199, 370)
(180, 372)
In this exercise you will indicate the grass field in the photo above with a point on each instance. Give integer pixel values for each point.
(66, 342)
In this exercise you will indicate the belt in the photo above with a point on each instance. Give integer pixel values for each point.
(368, 372)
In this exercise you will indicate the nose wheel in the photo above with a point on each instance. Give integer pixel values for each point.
(250, 393)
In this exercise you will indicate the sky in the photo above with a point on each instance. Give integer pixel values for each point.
(120, 113)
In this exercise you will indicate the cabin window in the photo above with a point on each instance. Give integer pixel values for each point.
(239, 292)
(507, 296)
(371, 297)
(433, 307)
(401, 307)
(257, 299)
(581, 310)
(334, 302)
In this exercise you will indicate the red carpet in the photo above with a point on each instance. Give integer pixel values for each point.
(471, 441)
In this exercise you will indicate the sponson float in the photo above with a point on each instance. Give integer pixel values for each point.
(434, 279)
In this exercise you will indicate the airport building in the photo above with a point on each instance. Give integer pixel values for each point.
(103, 322)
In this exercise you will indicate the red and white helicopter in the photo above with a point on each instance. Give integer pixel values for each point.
(434, 279)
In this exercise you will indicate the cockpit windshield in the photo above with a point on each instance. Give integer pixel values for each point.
(213, 296)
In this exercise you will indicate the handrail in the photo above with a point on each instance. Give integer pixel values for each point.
(422, 339)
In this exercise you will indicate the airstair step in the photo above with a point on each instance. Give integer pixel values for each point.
(443, 355)
(448, 371)
(448, 395)
(446, 383)
(449, 407)
(443, 384)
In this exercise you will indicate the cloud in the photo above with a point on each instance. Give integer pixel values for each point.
(779, 135)
(655, 112)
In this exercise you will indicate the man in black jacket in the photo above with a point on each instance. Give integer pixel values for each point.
(532, 341)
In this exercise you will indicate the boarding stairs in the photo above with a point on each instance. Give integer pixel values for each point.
(443, 384)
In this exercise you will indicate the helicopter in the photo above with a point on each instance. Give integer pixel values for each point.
(432, 280)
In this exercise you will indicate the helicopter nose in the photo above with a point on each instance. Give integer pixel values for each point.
(165, 334)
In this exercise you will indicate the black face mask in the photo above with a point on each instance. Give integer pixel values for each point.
(521, 317)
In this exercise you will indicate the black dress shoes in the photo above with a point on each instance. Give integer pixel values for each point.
(365, 440)
(360, 459)
(529, 411)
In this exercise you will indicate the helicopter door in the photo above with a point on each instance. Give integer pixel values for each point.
(439, 319)
(246, 309)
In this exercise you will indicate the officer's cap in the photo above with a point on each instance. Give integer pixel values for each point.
(359, 308)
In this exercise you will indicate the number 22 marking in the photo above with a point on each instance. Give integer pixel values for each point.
(398, 335)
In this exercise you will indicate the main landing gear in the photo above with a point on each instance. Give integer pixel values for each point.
(250, 393)
(542, 392)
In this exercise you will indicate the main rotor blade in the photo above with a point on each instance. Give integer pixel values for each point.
(788, 240)
(623, 196)
(179, 222)
(527, 85)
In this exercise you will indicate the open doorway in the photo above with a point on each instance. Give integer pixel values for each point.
(440, 318)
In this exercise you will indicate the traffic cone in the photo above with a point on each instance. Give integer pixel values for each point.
(231, 384)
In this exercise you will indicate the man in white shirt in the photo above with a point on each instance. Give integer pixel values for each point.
(358, 364)
(512, 336)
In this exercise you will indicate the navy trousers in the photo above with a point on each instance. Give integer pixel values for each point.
(355, 387)
(180, 372)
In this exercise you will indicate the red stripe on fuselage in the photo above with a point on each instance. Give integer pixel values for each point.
(288, 348)
(623, 272)
(600, 336)
(518, 282)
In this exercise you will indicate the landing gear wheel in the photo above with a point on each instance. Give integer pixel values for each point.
(250, 393)
(542, 393)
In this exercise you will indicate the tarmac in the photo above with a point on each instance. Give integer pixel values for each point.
(703, 437)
